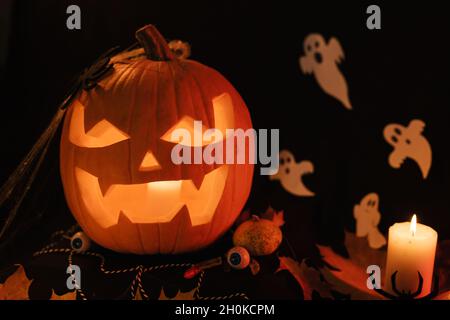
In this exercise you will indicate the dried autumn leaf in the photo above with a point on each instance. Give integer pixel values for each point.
(268, 215)
(351, 277)
(362, 254)
(278, 218)
(443, 296)
(443, 262)
(16, 286)
(308, 277)
(346, 276)
(138, 295)
(180, 295)
(68, 296)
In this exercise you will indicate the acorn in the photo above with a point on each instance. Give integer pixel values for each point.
(260, 237)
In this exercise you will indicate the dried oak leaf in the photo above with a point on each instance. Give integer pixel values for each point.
(269, 214)
(443, 296)
(68, 296)
(349, 276)
(138, 295)
(278, 218)
(180, 295)
(309, 278)
(443, 262)
(16, 286)
(362, 254)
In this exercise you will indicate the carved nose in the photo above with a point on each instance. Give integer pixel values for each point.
(149, 163)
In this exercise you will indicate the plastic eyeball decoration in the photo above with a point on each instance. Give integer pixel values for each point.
(181, 49)
(80, 242)
(238, 258)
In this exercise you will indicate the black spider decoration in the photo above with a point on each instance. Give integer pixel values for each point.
(90, 76)
(19, 182)
(408, 295)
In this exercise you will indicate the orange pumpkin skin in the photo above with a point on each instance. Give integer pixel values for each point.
(143, 99)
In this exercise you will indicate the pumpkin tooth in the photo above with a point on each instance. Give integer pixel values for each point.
(104, 186)
(197, 181)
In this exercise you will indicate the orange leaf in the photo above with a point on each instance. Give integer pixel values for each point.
(180, 295)
(443, 296)
(268, 215)
(362, 254)
(278, 218)
(349, 279)
(68, 296)
(16, 286)
(308, 278)
(138, 295)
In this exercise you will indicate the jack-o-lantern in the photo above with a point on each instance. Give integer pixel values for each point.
(118, 175)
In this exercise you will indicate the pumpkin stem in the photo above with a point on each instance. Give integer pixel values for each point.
(255, 218)
(154, 44)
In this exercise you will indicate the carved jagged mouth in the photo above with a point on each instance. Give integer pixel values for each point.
(152, 202)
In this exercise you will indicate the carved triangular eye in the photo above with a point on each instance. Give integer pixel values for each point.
(149, 163)
(192, 129)
(185, 130)
(103, 134)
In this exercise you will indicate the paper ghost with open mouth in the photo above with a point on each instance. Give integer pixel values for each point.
(408, 142)
(367, 218)
(322, 59)
(290, 174)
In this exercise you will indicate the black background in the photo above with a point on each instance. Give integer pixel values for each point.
(395, 74)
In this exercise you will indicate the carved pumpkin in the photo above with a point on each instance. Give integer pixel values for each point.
(118, 176)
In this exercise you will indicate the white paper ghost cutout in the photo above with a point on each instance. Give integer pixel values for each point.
(322, 59)
(367, 219)
(408, 142)
(290, 174)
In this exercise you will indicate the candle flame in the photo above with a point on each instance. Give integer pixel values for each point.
(413, 225)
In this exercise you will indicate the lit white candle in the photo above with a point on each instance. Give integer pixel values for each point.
(411, 249)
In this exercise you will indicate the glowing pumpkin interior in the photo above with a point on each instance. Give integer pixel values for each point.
(119, 178)
(163, 199)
